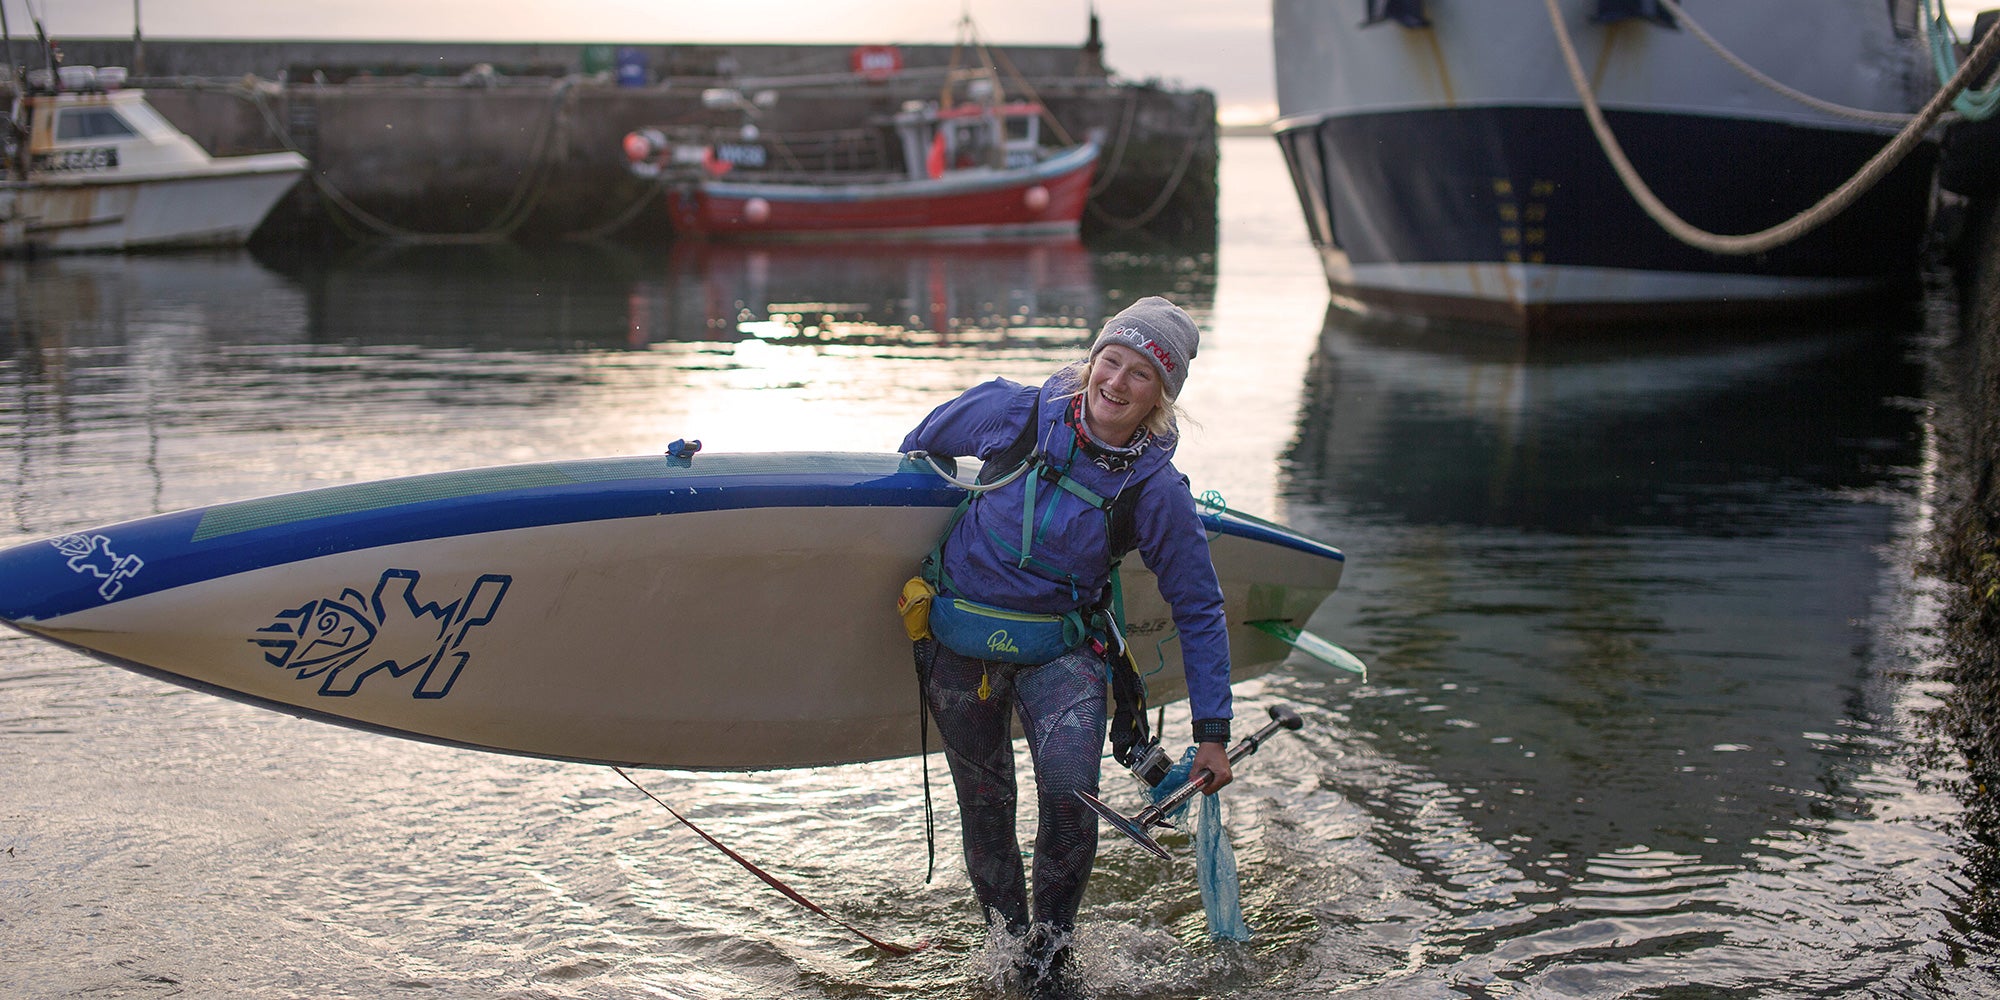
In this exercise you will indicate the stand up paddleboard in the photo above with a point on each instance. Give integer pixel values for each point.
(713, 611)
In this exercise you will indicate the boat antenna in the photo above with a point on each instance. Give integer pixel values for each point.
(964, 30)
(13, 65)
(48, 50)
(997, 62)
(14, 81)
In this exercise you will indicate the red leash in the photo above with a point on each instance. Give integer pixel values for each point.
(897, 950)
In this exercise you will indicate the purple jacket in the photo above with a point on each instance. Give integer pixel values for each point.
(986, 419)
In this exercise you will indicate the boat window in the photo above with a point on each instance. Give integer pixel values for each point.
(1609, 11)
(1408, 13)
(91, 123)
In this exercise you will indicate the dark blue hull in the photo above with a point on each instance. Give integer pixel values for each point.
(1400, 203)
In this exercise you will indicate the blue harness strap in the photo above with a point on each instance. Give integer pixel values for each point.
(1031, 532)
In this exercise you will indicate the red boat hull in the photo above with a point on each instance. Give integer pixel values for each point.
(1044, 200)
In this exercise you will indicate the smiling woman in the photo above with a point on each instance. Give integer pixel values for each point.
(1121, 393)
(1101, 483)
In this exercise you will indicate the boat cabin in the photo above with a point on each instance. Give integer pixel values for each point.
(999, 136)
(79, 133)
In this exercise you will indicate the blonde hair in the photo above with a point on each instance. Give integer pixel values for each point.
(1164, 421)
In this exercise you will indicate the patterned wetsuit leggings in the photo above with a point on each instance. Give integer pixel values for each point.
(1061, 705)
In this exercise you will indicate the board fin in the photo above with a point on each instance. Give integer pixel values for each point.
(1313, 646)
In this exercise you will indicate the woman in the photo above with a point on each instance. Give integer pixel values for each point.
(1103, 435)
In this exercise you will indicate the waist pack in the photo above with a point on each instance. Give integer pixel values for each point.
(984, 632)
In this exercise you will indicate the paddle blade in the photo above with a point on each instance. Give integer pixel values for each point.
(1124, 825)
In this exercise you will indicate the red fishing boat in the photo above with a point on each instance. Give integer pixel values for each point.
(970, 171)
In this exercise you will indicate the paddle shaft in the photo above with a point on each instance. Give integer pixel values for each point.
(1281, 718)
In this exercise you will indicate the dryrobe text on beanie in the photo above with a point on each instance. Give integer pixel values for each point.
(1161, 331)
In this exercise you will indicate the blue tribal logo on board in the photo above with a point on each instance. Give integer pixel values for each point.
(343, 640)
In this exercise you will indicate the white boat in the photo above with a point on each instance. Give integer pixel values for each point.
(691, 611)
(1447, 168)
(100, 170)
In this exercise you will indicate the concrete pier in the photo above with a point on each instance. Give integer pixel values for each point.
(1965, 368)
(487, 141)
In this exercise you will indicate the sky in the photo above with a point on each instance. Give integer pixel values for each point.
(1220, 45)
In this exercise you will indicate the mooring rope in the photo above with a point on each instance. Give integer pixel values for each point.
(1167, 190)
(1798, 225)
(521, 202)
(622, 219)
(1107, 174)
(1759, 76)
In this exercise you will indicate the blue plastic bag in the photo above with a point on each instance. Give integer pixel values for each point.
(1215, 860)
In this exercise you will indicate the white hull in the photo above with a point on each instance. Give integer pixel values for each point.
(1503, 53)
(219, 207)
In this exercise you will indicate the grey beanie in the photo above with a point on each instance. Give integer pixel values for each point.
(1161, 331)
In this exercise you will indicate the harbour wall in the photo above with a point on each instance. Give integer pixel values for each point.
(1965, 385)
(1966, 367)
(467, 141)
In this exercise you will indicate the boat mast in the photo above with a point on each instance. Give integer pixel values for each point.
(14, 83)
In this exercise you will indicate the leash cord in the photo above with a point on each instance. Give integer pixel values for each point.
(924, 765)
(897, 950)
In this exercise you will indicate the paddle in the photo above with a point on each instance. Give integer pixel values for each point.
(1156, 814)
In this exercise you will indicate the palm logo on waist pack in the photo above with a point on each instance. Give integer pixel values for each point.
(344, 640)
(983, 631)
(999, 642)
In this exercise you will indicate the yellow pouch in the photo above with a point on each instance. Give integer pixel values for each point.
(914, 604)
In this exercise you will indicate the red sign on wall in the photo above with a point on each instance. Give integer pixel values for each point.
(877, 62)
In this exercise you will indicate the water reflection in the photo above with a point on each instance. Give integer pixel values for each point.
(490, 297)
(411, 355)
(1627, 608)
(998, 294)
(609, 297)
(1705, 435)
(593, 297)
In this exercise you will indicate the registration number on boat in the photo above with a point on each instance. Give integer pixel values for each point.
(97, 158)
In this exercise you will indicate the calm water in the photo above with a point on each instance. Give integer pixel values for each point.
(1646, 637)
